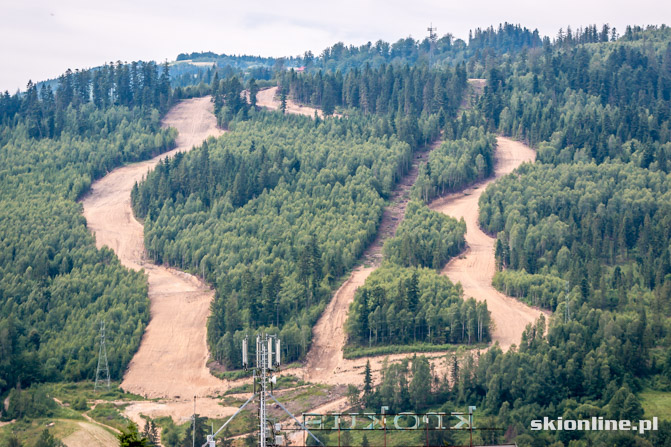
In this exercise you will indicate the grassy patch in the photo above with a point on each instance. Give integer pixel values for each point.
(69, 393)
(656, 403)
(110, 414)
(28, 431)
(354, 352)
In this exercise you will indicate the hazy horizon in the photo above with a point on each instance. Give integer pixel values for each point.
(41, 39)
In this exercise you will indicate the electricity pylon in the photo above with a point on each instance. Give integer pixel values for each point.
(103, 367)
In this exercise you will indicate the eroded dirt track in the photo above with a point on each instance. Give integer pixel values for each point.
(173, 352)
(475, 268)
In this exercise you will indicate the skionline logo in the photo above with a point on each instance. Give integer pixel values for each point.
(593, 424)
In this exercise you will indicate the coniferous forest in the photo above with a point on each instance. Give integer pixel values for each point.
(276, 212)
(55, 286)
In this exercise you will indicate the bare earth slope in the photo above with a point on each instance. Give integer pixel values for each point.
(173, 352)
(475, 268)
(266, 98)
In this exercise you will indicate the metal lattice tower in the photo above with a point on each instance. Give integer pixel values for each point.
(268, 350)
(103, 370)
(433, 37)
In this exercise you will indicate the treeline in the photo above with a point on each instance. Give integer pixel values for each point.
(457, 162)
(55, 286)
(425, 238)
(609, 102)
(388, 89)
(399, 305)
(446, 50)
(272, 214)
(537, 290)
(45, 112)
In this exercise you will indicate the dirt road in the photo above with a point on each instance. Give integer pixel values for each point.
(173, 352)
(474, 269)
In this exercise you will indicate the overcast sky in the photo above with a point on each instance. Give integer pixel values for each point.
(40, 39)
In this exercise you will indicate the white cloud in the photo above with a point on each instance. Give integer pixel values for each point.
(41, 39)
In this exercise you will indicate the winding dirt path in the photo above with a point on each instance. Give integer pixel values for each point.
(475, 268)
(171, 360)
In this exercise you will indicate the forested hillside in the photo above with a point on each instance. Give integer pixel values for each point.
(591, 220)
(277, 210)
(55, 286)
(272, 213)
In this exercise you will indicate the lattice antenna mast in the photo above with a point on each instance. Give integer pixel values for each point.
(433, 38)
(268, 350)
(103, 370)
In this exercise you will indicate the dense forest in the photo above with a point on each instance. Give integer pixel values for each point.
(272, 213)
(584, 232)
(465, 156)
(425, 238)
(388, 89)
(55, 286)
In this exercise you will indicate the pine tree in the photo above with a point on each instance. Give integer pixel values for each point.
(131, 438)
(253, 91)
(283, 102)
(367, 381)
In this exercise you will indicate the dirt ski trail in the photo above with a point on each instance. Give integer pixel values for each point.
(266, 98)
(474, 269)
(172, 355)
(325, 361)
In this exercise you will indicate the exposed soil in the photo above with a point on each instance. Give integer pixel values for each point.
(475, 268)
(266, 98)
(179, 410)
(172, 355)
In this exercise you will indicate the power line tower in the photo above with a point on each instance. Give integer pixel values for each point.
(433, 38)
(103, 370)
(267, 360)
